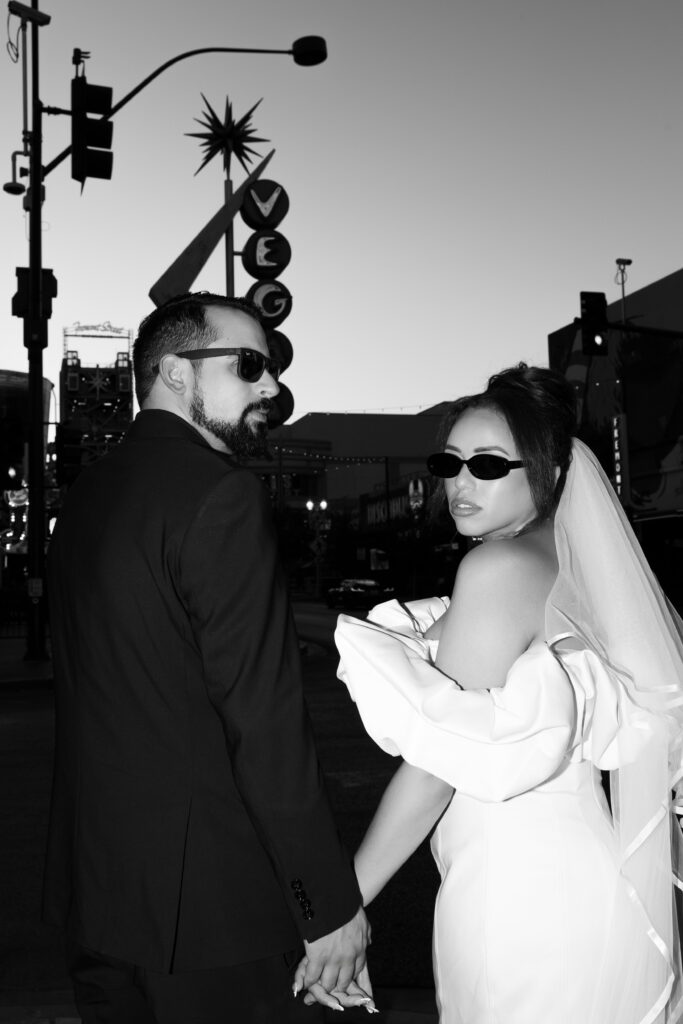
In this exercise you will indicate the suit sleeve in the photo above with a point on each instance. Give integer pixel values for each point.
(234, 589)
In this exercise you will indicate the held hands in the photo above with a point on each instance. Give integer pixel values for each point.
(333, 971)
(359, 992)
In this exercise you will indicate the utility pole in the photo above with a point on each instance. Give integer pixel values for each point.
(35, 292)
(35, 340)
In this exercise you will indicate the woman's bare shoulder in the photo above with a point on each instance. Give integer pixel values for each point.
(498, 608)
(510, 563)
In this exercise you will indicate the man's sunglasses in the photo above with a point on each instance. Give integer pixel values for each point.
(250, 362)
(484, 467)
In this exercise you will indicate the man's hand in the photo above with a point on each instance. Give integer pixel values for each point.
(334, 960)
(359, 993)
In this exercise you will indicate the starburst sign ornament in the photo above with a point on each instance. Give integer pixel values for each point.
(227, 136)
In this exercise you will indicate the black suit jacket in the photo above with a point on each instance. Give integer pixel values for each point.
(189, 825)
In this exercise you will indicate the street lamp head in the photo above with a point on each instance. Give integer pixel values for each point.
(309, 50)
(310, 505)
(14, 187)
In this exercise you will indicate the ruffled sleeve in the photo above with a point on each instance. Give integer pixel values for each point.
(490, 744)
(612, 730)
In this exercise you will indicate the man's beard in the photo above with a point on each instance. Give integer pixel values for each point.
(241, 438)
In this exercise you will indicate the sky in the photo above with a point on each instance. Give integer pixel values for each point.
(458, 171)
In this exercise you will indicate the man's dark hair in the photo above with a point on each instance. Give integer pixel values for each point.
(177, 325)
(540, 409)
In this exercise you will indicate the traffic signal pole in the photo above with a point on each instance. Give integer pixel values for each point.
(35, 340)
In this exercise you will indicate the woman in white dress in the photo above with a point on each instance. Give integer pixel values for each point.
(557, 656)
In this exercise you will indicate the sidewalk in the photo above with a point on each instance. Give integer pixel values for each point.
(26, 758)
(396, 1006)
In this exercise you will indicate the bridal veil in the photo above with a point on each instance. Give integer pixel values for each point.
(607, 597)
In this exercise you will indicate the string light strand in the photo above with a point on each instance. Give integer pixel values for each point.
(379, 409)
(347, 460)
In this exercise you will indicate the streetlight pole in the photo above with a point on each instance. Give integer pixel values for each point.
(35, 340)
(621, 277)
(33, 308)
(320, 524)
(306, 51)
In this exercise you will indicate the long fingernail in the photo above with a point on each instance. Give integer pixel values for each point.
(295, 989)
(338, 1007)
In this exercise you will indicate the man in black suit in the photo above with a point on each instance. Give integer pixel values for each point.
(191, 845)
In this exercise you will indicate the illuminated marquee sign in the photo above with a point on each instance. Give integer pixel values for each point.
(273, 300)
(266, 254)
(265, 204)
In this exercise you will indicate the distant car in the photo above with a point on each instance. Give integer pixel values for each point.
(359, 594)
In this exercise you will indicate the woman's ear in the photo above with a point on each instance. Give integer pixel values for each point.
(557, 473)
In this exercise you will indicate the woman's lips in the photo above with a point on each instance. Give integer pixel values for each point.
(463, 508)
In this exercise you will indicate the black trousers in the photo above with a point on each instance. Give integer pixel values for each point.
(109, 991)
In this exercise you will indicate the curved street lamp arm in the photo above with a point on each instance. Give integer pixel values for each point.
(150, 78)
(174, 60)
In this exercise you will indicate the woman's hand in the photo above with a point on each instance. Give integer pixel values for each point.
(358, 993)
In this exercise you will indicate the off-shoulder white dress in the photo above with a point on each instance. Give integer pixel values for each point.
(534, 922)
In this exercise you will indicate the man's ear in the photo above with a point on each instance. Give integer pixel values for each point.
(173, 372)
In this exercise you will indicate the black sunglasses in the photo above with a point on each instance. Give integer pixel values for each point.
(250, 363)
(484, 467)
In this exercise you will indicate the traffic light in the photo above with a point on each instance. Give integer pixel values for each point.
(594, 323)
(48, 291)
(91, 155)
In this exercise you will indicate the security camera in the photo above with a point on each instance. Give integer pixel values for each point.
(28, 13)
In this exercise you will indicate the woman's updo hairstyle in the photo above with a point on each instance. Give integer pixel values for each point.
(539, 407)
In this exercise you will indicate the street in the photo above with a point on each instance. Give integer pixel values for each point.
(315, 622)
(356, 772)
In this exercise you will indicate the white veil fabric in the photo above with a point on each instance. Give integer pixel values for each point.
(608, 598)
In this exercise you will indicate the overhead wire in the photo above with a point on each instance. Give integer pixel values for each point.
(13, 47)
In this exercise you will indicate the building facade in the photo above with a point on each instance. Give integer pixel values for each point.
(369, 471)
(630, 412)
